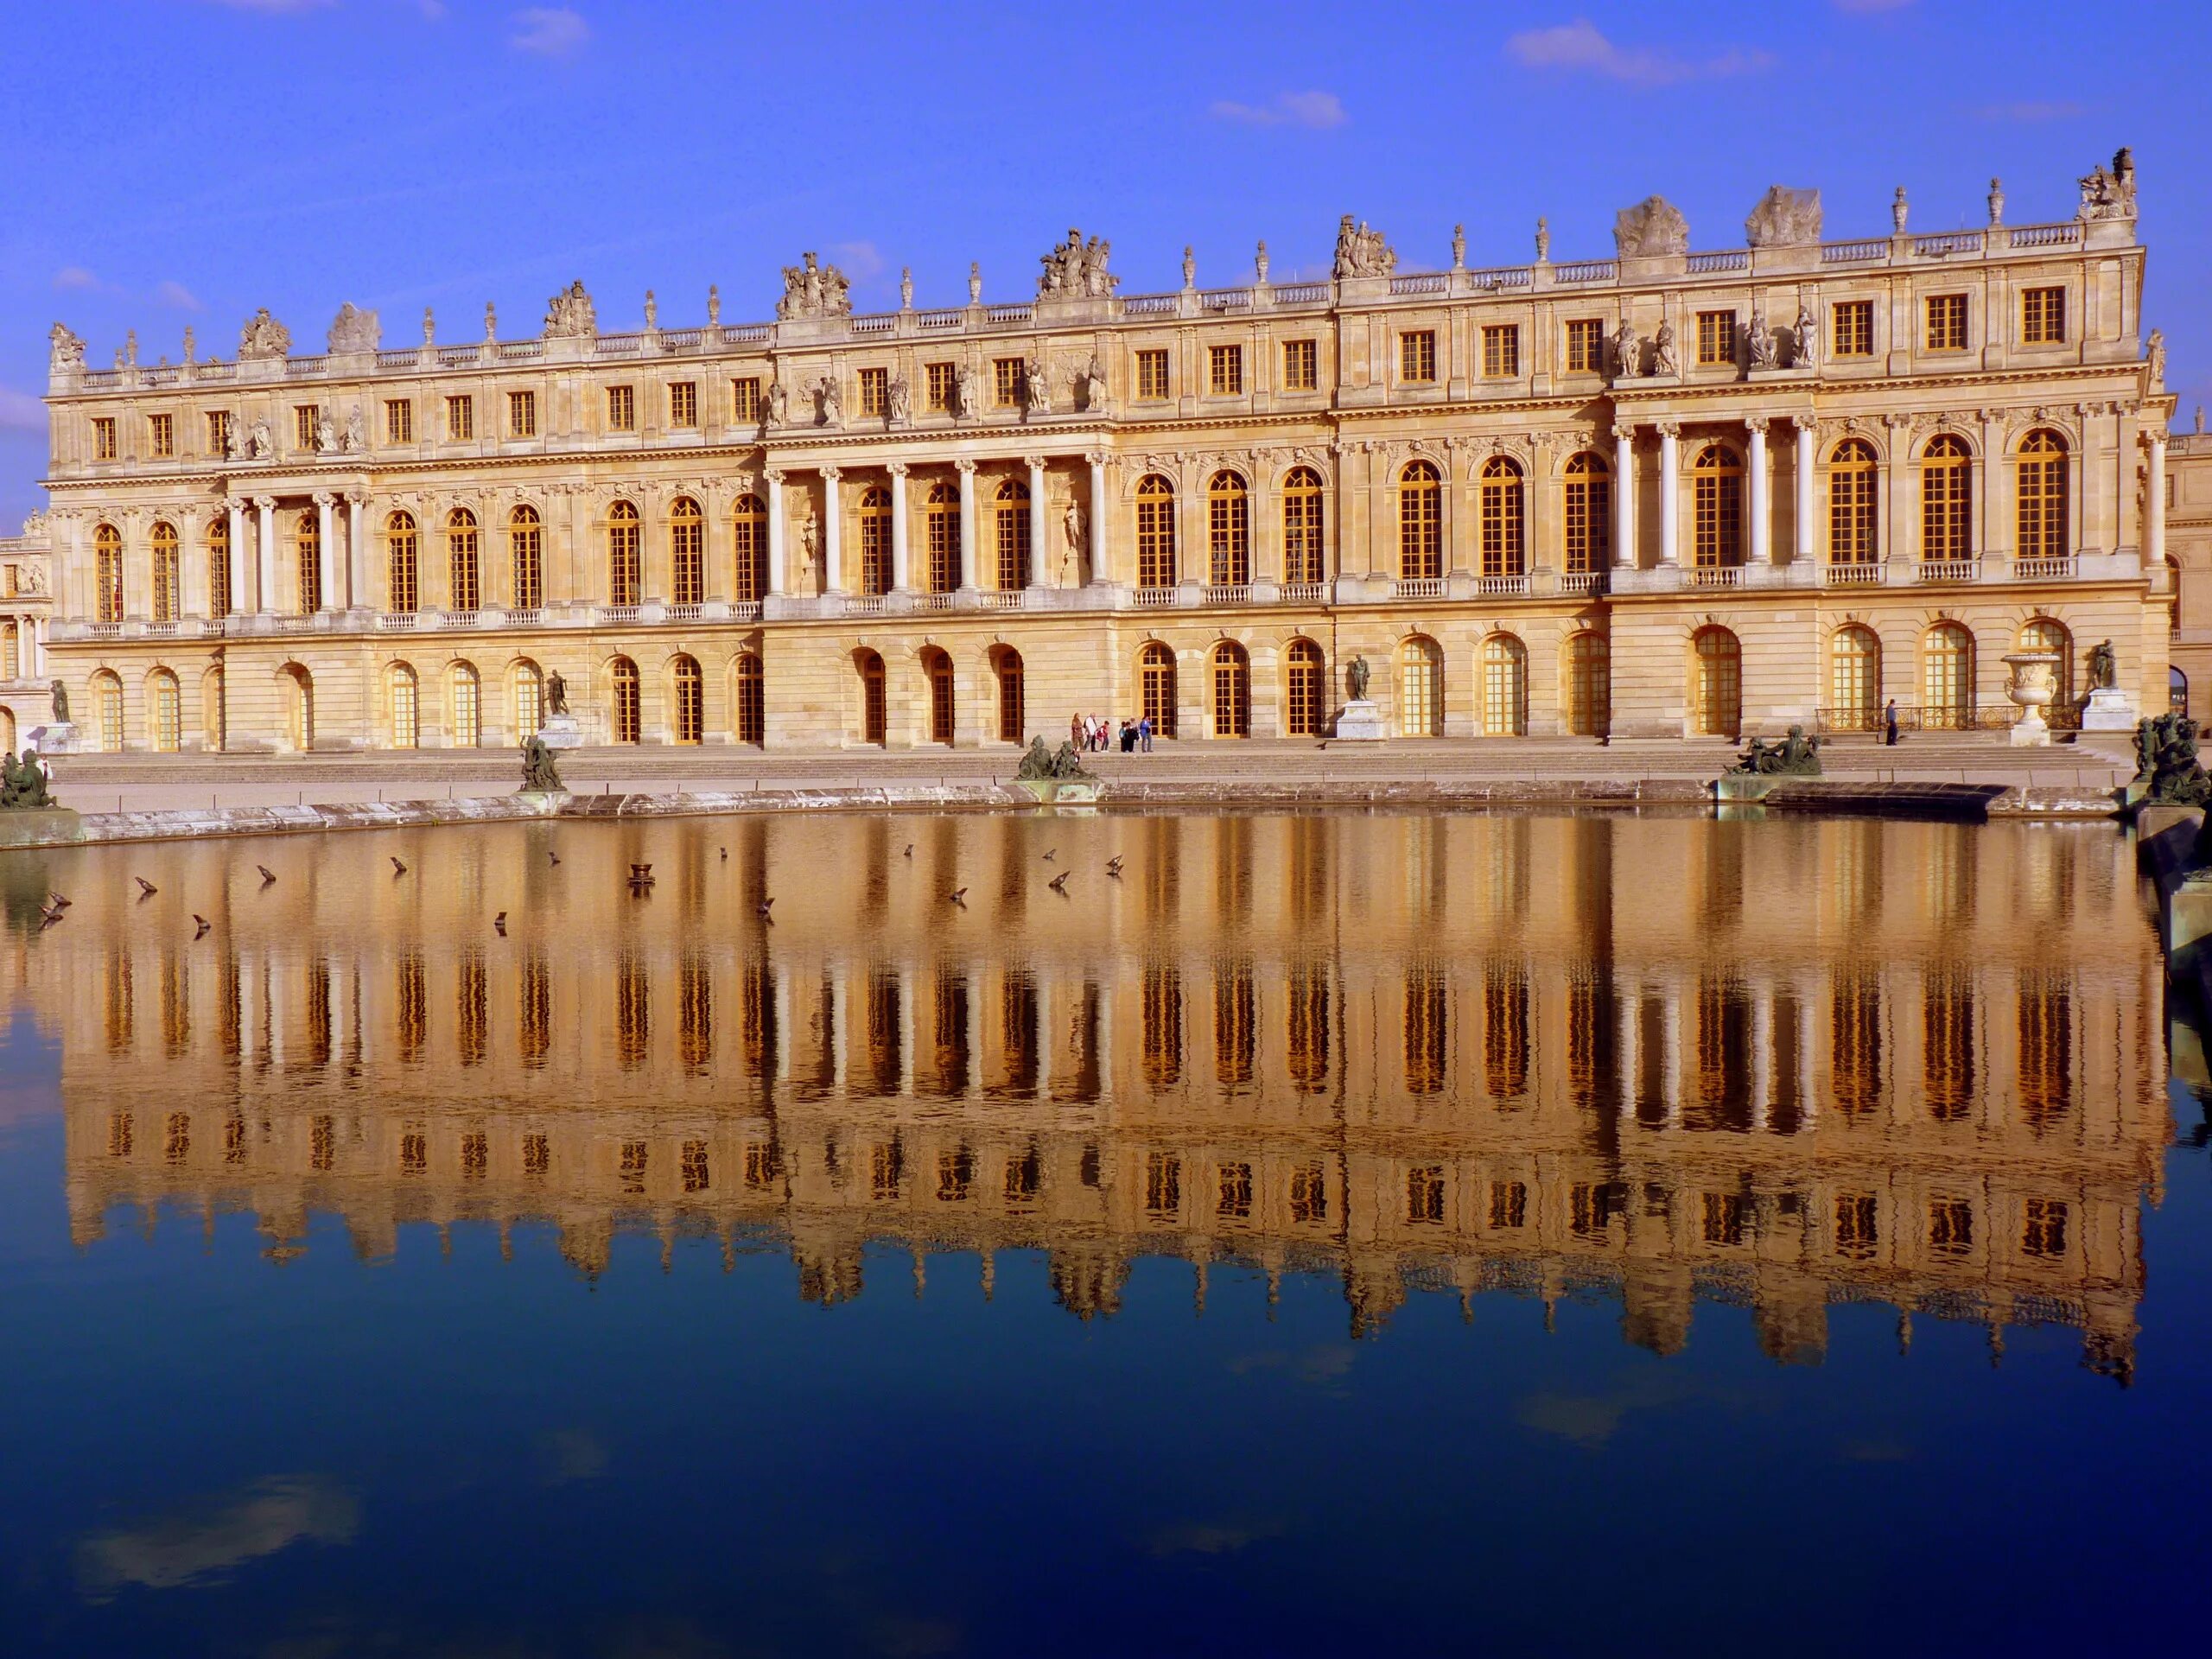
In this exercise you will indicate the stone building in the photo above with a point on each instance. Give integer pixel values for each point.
(1663, 493)
(26, 602)
(2188, 568)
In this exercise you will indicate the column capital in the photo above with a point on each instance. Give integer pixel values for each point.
(265, 503)
(896, 468)
(773, 475)
(1803, 422)
(357, 498)
(831, 474)
(325, 499)
(1757, 423)
(1893, 419)
(1034, 463)
(1095, 457)
(1668, 428)
(1624, 431)
(2154, 439)
(964, 466)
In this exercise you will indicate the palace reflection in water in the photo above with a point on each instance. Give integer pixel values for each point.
(1782, 1064)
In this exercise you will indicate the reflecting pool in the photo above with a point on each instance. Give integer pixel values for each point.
(1288, 1234)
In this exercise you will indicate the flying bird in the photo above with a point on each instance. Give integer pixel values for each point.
(551, 854)
(1060, 883)
(958, 896)
(1052, 852)
(146, 889)
(200, 927)
(47, 919)
(267, 875)
(499, 923)
(910, 850)
(399, 868)
(763, 908)
(56, 901)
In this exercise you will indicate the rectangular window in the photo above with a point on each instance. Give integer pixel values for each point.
(2043, 316)
(1585, 347)
(522, 414)
(875, 392)
(303, 427)
(1417, 357)
(1301, 366)
(398, 421)
(1947, 322)
(1501, 351)
(744, 399)
(1851, 327)
(941, 379)
(161, 436)
(461, 419)
(621, 409)
(103, 437)
(683, 403)
(1225, 369)
(1716, 337)
(1009, 375)
(218, 432)
(1152, 375)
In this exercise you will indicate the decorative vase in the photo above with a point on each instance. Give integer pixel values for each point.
(2034, 684)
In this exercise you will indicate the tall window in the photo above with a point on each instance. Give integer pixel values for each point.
(622, 554)
(875, 718)
(683, 403)
(874, 519)
(1716, 337)
(1301, 525)
(218, 432)
(107, 574)
(522, 414)
(1589, 685)
(1589, 512)
(1946, 499)
(752, 701)
(218, 565)
(1854, 679)
(1717, 506)
(465, 691)
(1505, 551)
(107, 709)
(1947, 322)
(1229, 531)
(1301, 366)
(1006, 665)
(400, 561)
(463, 566)
(690, 686)
(749, 550)
(1304, 685)
(306, 561)
(1717, 664)
(526, 557)
(936, 668)
(940, 379)
(1420, 688)
(1854, 523)
(1232, 690)
(303, 423)
(1946, 677)
(527, 687)
(626, 714)
(687, 552)
(402, 692)
(168, 588)
(1501, 352)
(2043, 316)
(1586, 348)
(621, 409)
(167, 711)
(398, 421)
(1009, 382)
(1151, 376)
(1225, 369)
(1420, 523)
(876, 392)
(1417, 357)
(460, 417)
(160, 437)
(104, 447)
(1010, 534)
(2042, 495)
(1850, 325)
(1505, 686)
(1155, 532)
(1156, 686)
(941, 519)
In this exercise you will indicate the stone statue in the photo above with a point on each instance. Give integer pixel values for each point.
(906, 287)
(258, 444)
(1628, 352)
(539, 774)
(1040, 765)
(1795, 756)
(975, 282)
(61, 695)
(1654, 226)
(2104, 667)
(964, 391)
(1361, 251)
(557, 694)
(1260, 266)
(830, 402)
(1036, 391)
(1093, 379)
(354, 438)
(430, 328)
(809, 542)
(1996, 202)
(814, 289)
(1073, 525)
(263, 338)
(1190, 266)
(569, 315)
(1785, 218)
(1663, 360)
(2166, 763)
(899, 400)
(326, 432)
(2109, 192)
(1760, 342)
(2154, 353)
(354, 331)
(713, 305)
(66, 349)
(23, 788)
(1806, 347)
(491, 323)
(653, 313)
(1077, 269)
(1355, 678)
(778, 404)
(1898, 210)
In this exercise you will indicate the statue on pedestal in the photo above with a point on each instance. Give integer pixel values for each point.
(539, 775)
(1356, 673)
(557, 694)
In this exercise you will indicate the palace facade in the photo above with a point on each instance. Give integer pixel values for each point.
(1664, 493)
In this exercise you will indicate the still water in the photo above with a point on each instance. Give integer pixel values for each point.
(1330, 1234)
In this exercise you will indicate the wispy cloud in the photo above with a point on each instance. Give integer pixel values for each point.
(176, 296)
(1580, 47)
(549, 31)
(20, 412)
(861, 262)
(1315, 109)
(205, 1542)
(75, 279)
(2033, 109)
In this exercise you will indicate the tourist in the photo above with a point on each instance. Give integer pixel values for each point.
(1890, 724)
(1128, 736)
(1144, 733)
(1076, 735)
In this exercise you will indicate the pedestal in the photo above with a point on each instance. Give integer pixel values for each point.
(2109, 710)
(58, 737)
(562, 732)
(2032, 730)
(1360, 722)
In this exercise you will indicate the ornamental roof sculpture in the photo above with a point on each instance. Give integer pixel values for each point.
(2109, 192)
(264, 338)
(1654, 226)
(353, 331)
(1361, 252)
(1077, 269)
(569, 314)
(68, 347)
(812, 290)
(1784, 217)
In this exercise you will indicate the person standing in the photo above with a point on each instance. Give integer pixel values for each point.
(1076, 732)
(1890, 724)
(1144, 733)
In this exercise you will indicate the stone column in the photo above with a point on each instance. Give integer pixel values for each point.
(1624, 497)
(355, 589)
(776, 560)
(1762, 508)
(900, 563)
(1897, 503)
(2154, 508)
(326, 573)
(1036, 465)
(967, 471)
(1802, 547)
(236, 508)
(264, 553)
(1097, 527)
(1670, 518)
(833, 569)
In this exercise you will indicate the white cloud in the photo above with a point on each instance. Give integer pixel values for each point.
(861, 261)
(77, 280)
(549, 31)
(204, 1543)
(177, 297)
(1579, 46)
(1316, 110)
(20, 412)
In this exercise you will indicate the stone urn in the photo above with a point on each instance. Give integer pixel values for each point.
(2034, 684)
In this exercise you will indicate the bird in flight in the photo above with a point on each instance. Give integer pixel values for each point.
(146, 889)
(399, 868)
(200, 927)
(1060, 883)
(267, 875)
(958, 896)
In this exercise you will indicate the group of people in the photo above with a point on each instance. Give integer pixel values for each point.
(1097, 734)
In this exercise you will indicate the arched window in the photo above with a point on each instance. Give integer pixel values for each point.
(400, 558)
(1588, 528)
(465, 697)
(1947, 700)
(1304, 684)
(1854, 518)
(687, 552)
(2177, 691)
(167, 590)
(875, 715)
(1717, 508)
(1854, 679)
(1232, 690)
(937, 667)
(941, 518)
(1589, 685)
(1005, 664)
(2042, 489)
(1504, 548)
(875, 539)
(306, 561)
(1155, 532)
(1420, 523)
(690, 686)
(107, 574)
(212, 713)
(166, 711)
(1302, 526)
(1156, 687)
(1505, 686)
(1010, 534)
(623, 572)
(525, 559)
(627, 715)
(2041, 633)
(107, 711)
(526, 686)
(11, 653)
(402, 706)
(748, 543)
(752, 703)
(1421, 688)
(463, 567)
(1229, 531)
(1717, 686)
(218, 565)
(1946, 499)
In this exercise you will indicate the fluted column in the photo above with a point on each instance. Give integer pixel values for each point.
(1097, 527)
(326, 573)
(264, 553)
(355, 591)
(1802, 546)
(1624, 497)
(1036, 465)
(774, 480)
(236, 508)
(967, 471)
(1761, 509)
(833, 569)
(1670, 518)
(899, 558)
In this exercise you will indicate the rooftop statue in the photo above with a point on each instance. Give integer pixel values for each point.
(569, 314)
(1076, 269)
(812, 290)
(1784, 217)
(68, 348)
(1655, 226)
(264, 338)
(1362, 251)
(354, 331)
(2109, 192)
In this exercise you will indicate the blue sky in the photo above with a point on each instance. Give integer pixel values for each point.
(182, 161)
